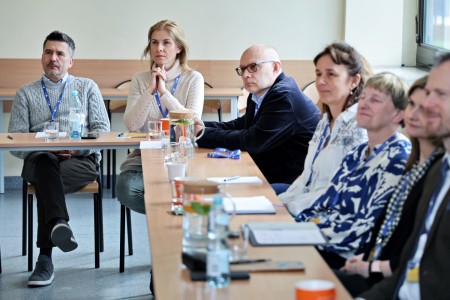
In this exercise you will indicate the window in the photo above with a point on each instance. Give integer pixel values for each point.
(433, 31)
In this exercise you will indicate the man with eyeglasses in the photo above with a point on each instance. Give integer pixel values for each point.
(278, 123)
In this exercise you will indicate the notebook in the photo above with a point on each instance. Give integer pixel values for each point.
(249, 205)
(285, 234)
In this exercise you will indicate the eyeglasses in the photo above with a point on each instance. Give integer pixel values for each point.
(251, 68)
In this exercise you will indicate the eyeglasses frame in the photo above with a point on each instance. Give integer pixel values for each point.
(241, 70)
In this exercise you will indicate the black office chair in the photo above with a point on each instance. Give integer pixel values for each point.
(95, 188)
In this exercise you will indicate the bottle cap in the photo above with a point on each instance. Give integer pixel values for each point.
(217, 200)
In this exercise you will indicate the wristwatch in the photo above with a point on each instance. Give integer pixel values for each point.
(375, 273)
(375, 266)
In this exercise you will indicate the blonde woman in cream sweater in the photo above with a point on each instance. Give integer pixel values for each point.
(169, 85)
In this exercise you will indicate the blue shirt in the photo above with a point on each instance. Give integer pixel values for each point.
(258, 100)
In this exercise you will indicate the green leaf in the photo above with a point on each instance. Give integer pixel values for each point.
(200, 209)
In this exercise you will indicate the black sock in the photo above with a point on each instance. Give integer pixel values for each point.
(46, 251)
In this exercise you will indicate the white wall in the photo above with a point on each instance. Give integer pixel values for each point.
(376, 27)
(298, 29)
(117, 29)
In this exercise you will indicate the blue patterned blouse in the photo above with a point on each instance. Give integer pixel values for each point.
(357, 194)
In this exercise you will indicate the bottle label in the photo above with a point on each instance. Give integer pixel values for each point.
(217, 263)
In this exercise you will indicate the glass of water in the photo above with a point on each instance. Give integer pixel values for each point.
(155, 132)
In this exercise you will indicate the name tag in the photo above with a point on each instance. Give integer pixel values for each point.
(413, 275)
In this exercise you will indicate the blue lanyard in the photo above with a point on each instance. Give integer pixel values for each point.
(52, 111)
(413, 261)
(374, 153)
(164, 113)
(391, 218)
(322, 143)
(444, 169)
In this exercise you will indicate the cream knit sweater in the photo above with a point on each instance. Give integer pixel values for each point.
(142, 106)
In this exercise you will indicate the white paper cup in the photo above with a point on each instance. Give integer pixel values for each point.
(315, 289)
(176, 169)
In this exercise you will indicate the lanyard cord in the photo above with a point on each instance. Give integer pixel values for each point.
(47, 98)
(158, 101)
(322, 143)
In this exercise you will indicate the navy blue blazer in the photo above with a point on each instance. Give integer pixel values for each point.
(277, 137)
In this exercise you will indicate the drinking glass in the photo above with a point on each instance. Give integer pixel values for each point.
(51, 131)
(155, 132)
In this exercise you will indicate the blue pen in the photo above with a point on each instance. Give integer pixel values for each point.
(231, 178)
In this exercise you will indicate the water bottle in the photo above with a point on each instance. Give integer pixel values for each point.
(75, 122)
(217, 260)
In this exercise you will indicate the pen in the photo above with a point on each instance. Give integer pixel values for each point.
(249, 261)
(231, 178)
(10, 137)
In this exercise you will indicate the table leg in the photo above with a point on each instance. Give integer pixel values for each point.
(234, 108)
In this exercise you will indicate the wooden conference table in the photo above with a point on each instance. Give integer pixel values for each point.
(115, 94)
(29, 142)
(171, 279)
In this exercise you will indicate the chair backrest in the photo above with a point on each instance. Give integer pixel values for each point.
(117, 104)
(242, 101)
(310, 90)
(214, 104)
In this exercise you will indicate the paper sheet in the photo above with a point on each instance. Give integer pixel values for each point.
(250, 205)
(241, 179)
(150, 145)
(287, 237)
(42, 135)
(283, 233)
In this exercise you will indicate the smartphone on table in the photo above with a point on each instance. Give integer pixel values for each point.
(89, 136)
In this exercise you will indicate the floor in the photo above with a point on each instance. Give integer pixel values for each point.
(75, 275)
